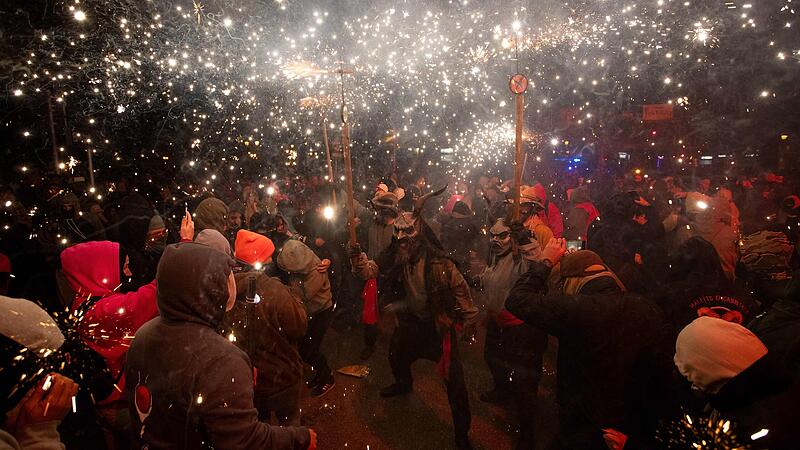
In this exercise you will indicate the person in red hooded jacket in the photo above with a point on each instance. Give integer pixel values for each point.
(94, 271)
(551, 215)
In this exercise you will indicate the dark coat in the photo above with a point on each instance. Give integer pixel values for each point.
(189, 386)
(268, 331)
(613, 356)
(696, 283)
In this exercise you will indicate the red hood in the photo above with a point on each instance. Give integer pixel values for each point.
(538, 189)
(92, 268)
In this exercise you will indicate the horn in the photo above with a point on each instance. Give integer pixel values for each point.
(489, 216)
(420, 202)
(377, 207)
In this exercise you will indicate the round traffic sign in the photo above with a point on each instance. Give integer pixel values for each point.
(518, 84)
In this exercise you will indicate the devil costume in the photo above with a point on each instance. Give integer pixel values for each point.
(431, 301)
(513, 348)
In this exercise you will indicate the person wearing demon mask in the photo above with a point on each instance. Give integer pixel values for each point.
(379, 233)
(513, 349)
(431, 301)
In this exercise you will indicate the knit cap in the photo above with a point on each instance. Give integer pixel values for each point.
(253, 248)
(711, 351)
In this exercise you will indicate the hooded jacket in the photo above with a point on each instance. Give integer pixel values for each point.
(697, 286)
(191, 387)
(92, 270)
(211, 213)
(215, 240)
(268, 331)
(460, 234)
(613, 356)
(581, 214)
(304, 279)
(134, 223)
(499, 277)
(708, 223)
(551, 214)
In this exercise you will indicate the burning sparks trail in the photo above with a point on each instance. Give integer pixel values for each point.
(231, 78)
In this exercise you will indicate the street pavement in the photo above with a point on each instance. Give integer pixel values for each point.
(354, 416)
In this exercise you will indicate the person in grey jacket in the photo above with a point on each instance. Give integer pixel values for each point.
(314, 287)
(513, 349)
(190, 387)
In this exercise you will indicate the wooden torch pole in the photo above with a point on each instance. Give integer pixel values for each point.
(328, 159)
(348, 178)
(52, 131)
(520, 100)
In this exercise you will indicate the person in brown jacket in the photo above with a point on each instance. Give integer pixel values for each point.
(267, 322)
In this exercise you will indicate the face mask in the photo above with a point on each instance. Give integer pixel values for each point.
(501, 243)
(405, 228)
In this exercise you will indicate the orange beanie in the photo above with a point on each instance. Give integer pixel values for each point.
(253, 248)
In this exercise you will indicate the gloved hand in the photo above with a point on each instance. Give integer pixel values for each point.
(520, 234)
(354, 249)
(469, 333)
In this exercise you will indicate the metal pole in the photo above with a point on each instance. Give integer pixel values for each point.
(52, 131)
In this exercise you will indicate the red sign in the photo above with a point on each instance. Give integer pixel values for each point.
(653, 113)
(518, 84)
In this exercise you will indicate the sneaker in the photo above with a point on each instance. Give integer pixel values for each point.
(367, 352)
(494, 396)
(322, 388)
(395, 389)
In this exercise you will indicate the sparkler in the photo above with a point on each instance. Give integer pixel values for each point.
(348, 164)
(429, 72)
(322, 103)
(703, 433)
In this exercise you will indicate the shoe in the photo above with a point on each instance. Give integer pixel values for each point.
(367, 352)
(494, 396)
(322, 388)
(394, 390)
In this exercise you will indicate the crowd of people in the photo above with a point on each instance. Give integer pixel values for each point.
(186, 318)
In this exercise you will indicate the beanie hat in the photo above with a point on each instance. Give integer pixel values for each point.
(581, 263)
(582, 267)
(711, 351)
(461, 209)
(211, 213)
(236, 206)
(215, 240)
(28, 339)
(156, 224)
(253, 248)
